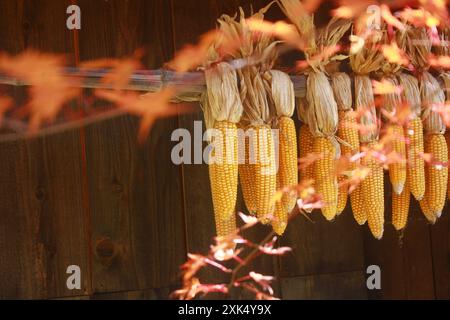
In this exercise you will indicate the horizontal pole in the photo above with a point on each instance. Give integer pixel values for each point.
(186, 83)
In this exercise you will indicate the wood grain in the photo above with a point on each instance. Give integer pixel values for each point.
(440, 246)
(42, 218)
(135, 190)
(337, 286)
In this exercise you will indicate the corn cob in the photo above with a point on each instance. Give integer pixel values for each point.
(414, 131)
(265, 173)
(358, 206)
(225, 227)
(427, 212)
(397, 170)
(305, 147)
(447, 140)
(223, 109)
(436, 171)
(394, 132)
(372, 190)
(323, 121)
(365, 61)
(347, 130)
(283, 96)
(400, 208)
(446, 78)
(246, 177)
(281, 216)
(223, 172)
(324, 172)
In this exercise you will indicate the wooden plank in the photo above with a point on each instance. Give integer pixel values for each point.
(337, 286)
(440, 246)
(43, 220)
(405, 259)
(322, 247)
(138, 235)
(146, 294)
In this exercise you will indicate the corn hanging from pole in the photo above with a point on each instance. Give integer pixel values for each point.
(347, 130)
(414, 131)
(366, 61)
(436, 170)
(223, 109)
(283, 96)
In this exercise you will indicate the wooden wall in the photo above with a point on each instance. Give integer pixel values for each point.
(120, 210)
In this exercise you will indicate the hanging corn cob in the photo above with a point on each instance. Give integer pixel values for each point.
(223, 109)
(418, 46)
(283, 97)
(395, 136)
(348, 133)
(444, 50)
(367, 60)
(305, 143)
(436, 171)
(322, 113)
(400, 208)
(394, 139)
(414, 130)
(446, 78)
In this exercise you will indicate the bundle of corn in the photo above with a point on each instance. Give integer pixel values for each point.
(283, 96)
(322, 113)
(418, 46)
(348, 133)
(363, 62)
(259, 51)
(223, 110)
(443, 49)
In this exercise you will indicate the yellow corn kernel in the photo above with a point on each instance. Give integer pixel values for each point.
(400, 208)
(305, 147)
(225, 227)
(372, 189)
(447, 139)
(247, 180)
(436, 173)
(223, 170)
(429, 215)
(288, 161)
(416, 163)
(265, 172)
(358, 208)
(348, 132)
(397, 170)
(325, 176)
(280, 217)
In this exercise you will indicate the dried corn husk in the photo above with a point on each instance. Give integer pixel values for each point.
(283, 94)
(411, 93)
(341, 84)
(431, 94)
(365, 61)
